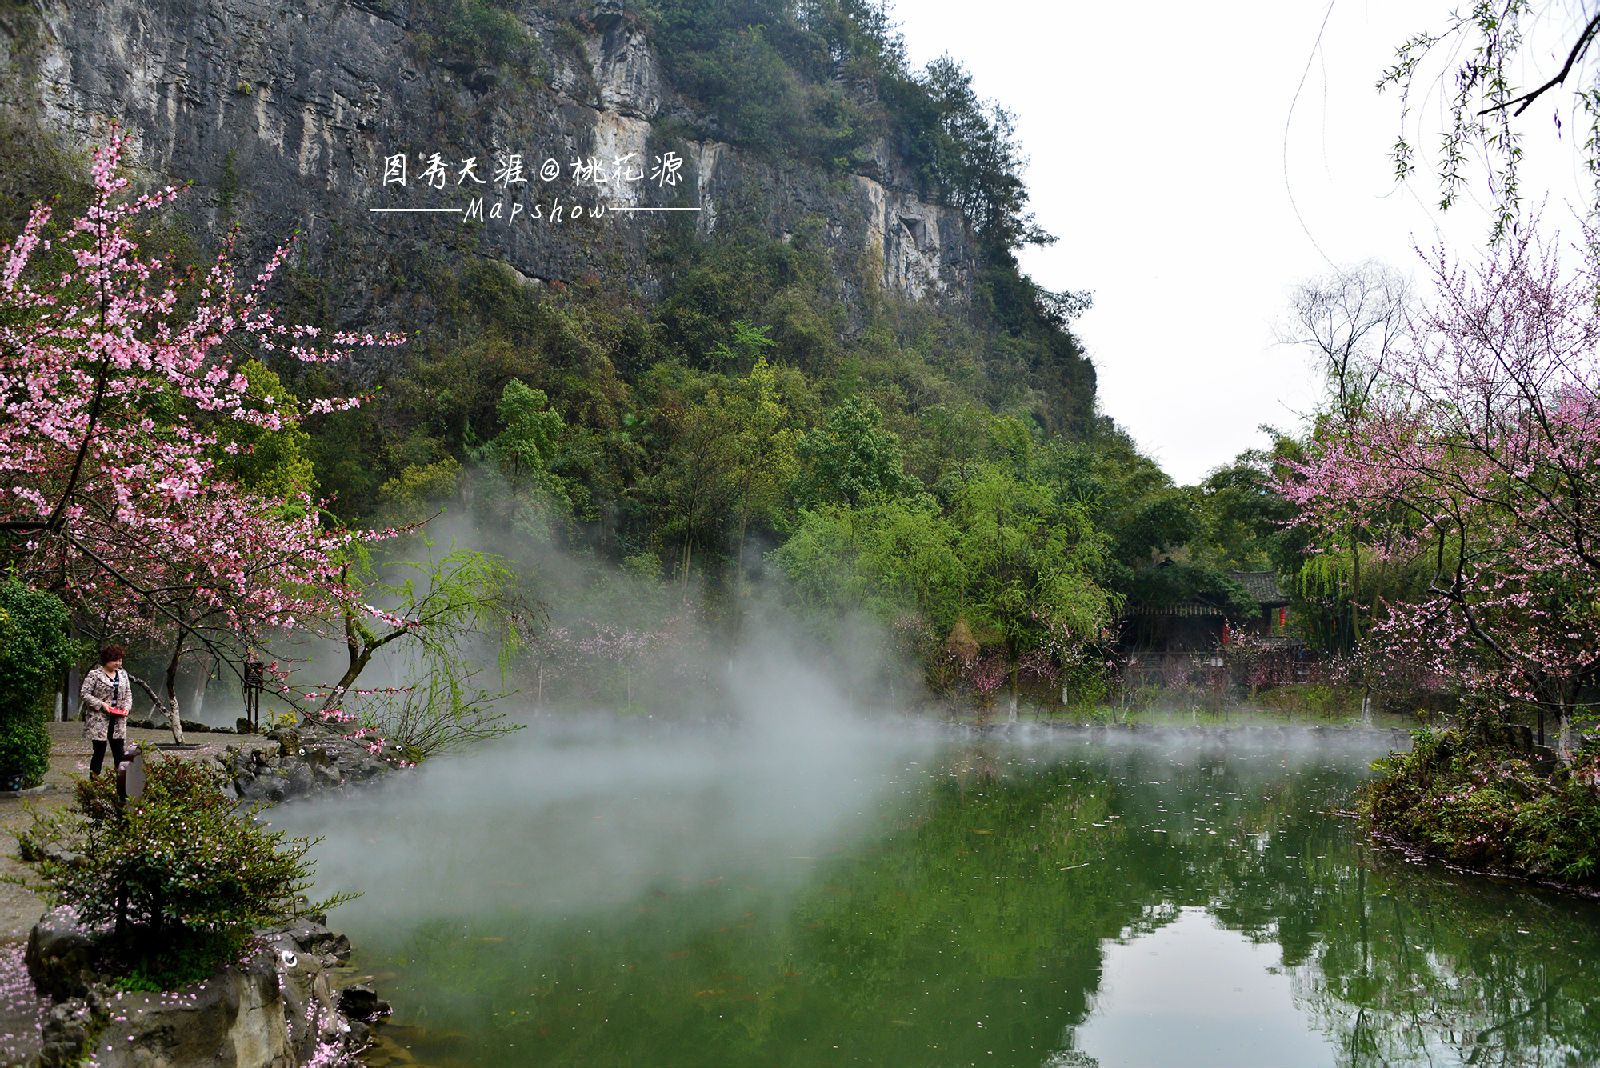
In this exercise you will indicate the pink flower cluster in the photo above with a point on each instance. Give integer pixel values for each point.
(1475, 462)
(117, 376)
(677, 643)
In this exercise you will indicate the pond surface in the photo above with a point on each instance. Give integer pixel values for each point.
(898, 896)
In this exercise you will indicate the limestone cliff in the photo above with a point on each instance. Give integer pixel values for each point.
(283, 116)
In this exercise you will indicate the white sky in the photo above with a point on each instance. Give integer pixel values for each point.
(1157, 141)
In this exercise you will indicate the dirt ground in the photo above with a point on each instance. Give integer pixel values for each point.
(20, 908)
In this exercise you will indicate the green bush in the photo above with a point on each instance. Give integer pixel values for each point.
(472, 32)
(1086, 685)
(1557, 834)
(24, 747)
(34, 646)
(1467, 801)
(1317, 699)
(175, 880)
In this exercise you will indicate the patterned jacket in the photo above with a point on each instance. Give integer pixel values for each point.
(101, 690)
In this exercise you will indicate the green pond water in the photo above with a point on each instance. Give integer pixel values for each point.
(899, 896)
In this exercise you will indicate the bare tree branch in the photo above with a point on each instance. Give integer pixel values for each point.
(1526, 100)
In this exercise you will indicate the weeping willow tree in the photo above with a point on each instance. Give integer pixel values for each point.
(1348, 591)
(445, 617)
(1489, 64)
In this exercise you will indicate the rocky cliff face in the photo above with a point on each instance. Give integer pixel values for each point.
(285, 115)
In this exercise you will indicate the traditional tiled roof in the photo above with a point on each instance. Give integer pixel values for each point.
(1262, 586)
(1187, 608)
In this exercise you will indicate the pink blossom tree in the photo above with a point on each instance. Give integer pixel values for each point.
(119, 374)
(1476, 454)
(986, 675)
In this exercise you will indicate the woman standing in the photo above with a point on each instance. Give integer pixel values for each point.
(106, 697)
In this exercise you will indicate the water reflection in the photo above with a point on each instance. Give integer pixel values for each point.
(872, 899)
(1151, 1010)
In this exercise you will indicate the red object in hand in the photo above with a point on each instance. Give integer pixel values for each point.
(112, 710)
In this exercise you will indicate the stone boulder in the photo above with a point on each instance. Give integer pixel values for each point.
(281, 1007)
(60, 956)
(65, 1036)
(235, 1018)
(308, 759)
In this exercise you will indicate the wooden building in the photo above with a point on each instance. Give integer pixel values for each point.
(1187, 643)
(1203, 625)
(1272, 618)
(1197, 630)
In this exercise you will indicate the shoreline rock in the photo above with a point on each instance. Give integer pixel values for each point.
(310, 758)
(292, 1001)
(287, 1003)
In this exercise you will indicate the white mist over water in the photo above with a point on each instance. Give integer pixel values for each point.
(590, 811)
(800, 885)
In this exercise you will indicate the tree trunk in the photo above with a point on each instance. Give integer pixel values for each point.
(1565, 696)
(174, 718)
(1012, 709)
(199, 682)
(358, 664)
(69, 675)
(360, 651)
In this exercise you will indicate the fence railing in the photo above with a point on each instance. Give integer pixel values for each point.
(1272, 667)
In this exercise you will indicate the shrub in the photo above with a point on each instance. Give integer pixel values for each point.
(1468, 801)
(176, 880)
(1085, 684)
(34, 646)
(1557, 834)
(474, 32)
(24, 748)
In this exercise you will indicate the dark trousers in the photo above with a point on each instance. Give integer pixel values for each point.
(100, 755)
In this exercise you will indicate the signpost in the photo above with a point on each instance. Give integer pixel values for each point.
(130, 776)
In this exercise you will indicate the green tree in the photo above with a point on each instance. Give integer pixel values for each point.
(747, 344)
(850, 458)
(35, 648)
(758, 425)
(440, 610)
(1033, 562)
(727, 458)
(1244, 518)
(273, 463)
(892, 557)
(969, 150)
(420, 490)
(528, 450)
